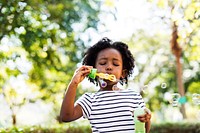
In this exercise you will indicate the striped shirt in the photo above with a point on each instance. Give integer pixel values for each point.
(111, 111)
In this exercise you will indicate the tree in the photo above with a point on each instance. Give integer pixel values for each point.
(184, 18)
(155, 71)
(41, 33)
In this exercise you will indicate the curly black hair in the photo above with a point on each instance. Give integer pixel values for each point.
(128, 60)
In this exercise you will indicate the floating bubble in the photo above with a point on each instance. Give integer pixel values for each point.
(115, 87)
(150, 83)
(102, 83)
(196, 99)
(175, 99)
(144, 88)
(164, 85)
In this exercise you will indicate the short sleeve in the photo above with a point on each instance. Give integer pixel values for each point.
(85, 102)
(141, 102)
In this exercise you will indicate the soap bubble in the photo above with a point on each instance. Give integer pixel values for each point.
(196, 99)
(102, 83)
(115, 87)
(164, 85)
(144, 88)
(175, 99)
(150, 83)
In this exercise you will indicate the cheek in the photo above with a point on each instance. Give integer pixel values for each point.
(99, 68)
(97, 65)
(118, 74)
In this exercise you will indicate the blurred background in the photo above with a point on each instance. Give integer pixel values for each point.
(42, 42)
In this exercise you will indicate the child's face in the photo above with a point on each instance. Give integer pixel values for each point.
(110, 61)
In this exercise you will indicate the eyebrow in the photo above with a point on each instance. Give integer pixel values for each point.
(104, 58)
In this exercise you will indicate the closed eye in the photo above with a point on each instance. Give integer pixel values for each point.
(116, 64)
(102, 63)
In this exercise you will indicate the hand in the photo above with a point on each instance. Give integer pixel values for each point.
(81, 73)
(145, 117)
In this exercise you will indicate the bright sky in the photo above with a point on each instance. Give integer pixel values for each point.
(131, 16)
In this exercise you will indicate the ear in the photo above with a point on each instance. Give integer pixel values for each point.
(124, 73)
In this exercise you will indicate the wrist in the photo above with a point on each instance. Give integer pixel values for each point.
(74, 83)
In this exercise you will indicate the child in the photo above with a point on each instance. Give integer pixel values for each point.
(109, 109)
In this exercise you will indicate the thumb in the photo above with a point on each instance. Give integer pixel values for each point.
(147, 111)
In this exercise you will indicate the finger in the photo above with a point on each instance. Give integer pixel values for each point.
(147, 111)
(87, 67)
(148, 116)
(142, 119)
(83, 68)
(141, 116)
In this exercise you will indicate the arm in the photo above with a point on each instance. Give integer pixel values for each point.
(147, 119)
(69, 112)
(148, 126)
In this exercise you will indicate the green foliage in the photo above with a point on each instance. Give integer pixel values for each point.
(67, 128)
(175, 128)
(165, 72)
(79, 128)
(194, 87)
(157, 66)
(41, 33)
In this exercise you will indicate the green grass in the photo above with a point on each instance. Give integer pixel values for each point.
(79, 127)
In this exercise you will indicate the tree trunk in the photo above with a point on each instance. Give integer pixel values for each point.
(14, 121)
(177, 51)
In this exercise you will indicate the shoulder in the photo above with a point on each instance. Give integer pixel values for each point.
(131, 91)
(87, 96)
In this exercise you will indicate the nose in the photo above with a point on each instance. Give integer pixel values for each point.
(109, 67)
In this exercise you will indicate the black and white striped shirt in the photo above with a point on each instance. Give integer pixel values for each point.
(111, 111)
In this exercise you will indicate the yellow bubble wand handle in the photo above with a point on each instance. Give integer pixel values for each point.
(106, 76)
